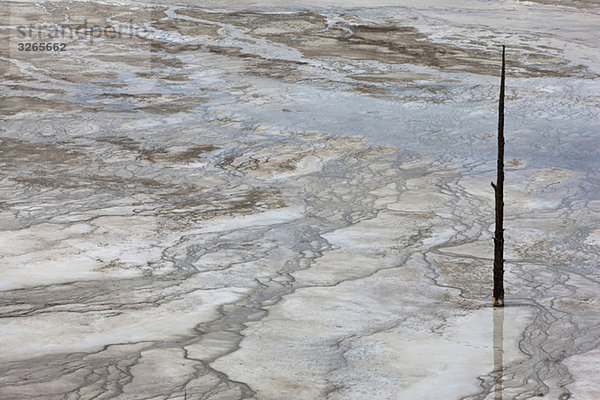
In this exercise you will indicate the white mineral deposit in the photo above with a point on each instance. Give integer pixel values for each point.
(291, 200)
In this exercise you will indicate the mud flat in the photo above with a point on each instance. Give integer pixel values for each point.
(266, 201)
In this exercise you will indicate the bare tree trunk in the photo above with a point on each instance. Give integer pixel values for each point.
(499, 191)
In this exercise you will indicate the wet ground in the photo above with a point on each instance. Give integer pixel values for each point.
(266, 201)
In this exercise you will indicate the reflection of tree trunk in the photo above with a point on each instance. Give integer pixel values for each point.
(498, 351)
(499, 191)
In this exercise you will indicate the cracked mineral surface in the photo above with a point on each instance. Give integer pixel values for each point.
(290, 200)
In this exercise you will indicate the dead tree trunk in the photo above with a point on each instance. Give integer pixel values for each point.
(499, 191)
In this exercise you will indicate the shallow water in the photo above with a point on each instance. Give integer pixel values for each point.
(267, 200)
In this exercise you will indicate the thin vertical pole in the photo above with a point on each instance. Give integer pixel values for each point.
(499, 191)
